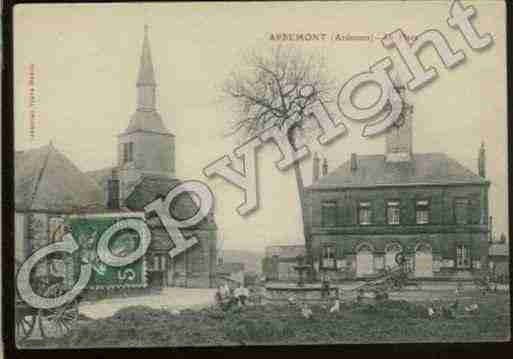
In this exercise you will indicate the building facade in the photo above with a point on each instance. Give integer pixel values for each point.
(426, 206)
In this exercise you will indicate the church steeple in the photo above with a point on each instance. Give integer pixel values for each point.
(145, 147)
(146, 117)
(146, 83)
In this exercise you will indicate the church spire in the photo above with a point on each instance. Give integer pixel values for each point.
(146, 83)
(146, 75)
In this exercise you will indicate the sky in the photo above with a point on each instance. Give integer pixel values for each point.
(86, 56)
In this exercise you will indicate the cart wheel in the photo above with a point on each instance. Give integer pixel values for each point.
(24, 325)
(57, 322)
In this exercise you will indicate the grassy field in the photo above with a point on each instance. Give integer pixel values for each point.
(390, 321)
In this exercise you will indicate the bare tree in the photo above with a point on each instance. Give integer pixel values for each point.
(270, 88)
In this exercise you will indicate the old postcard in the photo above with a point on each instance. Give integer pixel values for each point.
(260, 173)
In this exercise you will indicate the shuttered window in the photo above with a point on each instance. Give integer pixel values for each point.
(128, 152)
(422, 212)
(364, 213)
(393, 212)
(329, 214)
(328, 256)
(157, 262)
(461, 211)
(113, 193)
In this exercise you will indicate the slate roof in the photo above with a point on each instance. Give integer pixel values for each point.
(230, 267)
(45, 179)
(373, 170)
(151, 187)
(148, 121)
(498, 249)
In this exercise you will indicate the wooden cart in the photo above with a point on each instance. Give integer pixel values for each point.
(53, 323)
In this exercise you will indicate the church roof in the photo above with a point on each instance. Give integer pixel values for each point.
(151, 187)
(373, 170)
(45, 179)
(101, 176)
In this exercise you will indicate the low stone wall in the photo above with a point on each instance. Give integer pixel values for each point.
(308, 293)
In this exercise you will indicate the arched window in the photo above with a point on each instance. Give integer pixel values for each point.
(364, 260)
(423, 260)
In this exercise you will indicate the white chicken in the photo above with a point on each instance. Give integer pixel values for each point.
(473, 308)
(336, 307)
(306, 312)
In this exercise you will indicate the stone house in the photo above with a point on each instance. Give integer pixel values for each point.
(47, 187)
(425, 205)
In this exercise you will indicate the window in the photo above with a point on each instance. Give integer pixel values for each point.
(329, 214)
(422, 212)
(364, 213)
(393, 212)
(461, 210)
(128, 152)
(328, 256)
(462, 256)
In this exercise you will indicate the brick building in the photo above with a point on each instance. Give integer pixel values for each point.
(426, 205)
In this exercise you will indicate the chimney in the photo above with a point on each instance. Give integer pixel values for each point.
(325, 167)
(354, 163)
(113, 190)
(316, 167)
(481, 161)
(398, 138)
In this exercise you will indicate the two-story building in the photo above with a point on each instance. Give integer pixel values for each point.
(425, 205)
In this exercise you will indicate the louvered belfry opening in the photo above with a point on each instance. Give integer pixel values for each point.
(113, 191)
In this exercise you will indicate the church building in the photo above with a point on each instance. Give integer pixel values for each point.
(425, 205)
(49, 186)
(145, 171)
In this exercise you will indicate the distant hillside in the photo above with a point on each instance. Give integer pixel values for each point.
(252, 260)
